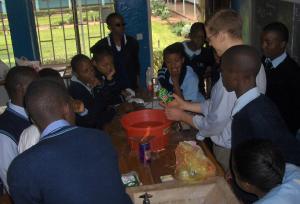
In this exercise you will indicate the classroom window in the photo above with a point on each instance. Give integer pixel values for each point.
(67, 27)
(6, 50)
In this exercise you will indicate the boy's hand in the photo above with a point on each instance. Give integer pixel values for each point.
(77, 106)
(111, 74)
(178, 102)
(174, 113)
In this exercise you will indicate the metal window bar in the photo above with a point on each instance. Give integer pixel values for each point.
(78, 39)
(63, 28)
(38, 31)
(87, 22)
(5, 36)
(51, 33)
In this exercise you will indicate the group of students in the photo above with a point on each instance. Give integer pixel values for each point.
(254, 135)
(51, 149)
(252, 111)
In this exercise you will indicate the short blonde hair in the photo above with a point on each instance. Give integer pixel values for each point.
(226, 20)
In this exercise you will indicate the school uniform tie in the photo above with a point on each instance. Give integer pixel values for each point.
(268, 64)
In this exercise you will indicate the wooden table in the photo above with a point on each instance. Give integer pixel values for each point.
(162, 163)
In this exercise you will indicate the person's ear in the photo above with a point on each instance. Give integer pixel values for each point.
(108, 27)
(283, 45)
(183, 59)
(221, 36)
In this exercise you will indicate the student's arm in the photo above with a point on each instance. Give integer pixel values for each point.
(8, 151)
(179, 115)
(217, 112)
(184, 105)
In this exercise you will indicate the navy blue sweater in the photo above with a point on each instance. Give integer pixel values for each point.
(70, 166)
(283, 88)
(261, 119)
(109, 89)
(12, 124)
(98, 111)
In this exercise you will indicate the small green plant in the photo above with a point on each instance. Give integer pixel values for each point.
(70, 20)
(177, 27)
(159, 8)
(185, 30)
(62, 22)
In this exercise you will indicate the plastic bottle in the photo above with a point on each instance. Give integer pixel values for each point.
(149, 76)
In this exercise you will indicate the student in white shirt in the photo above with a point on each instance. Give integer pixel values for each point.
(224, 30)
(14, 119)
(259, 168)
(31, 135)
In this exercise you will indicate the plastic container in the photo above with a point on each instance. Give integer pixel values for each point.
(147, 123)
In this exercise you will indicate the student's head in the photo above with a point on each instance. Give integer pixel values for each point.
(239, 67)
(115, 23)
(51, 74)
(257, 166)
(47, 101)
(222, 29)
(16, 82)
(197, 34)
(174, 57)
(103, 60)
(82, 68)
(274, 39)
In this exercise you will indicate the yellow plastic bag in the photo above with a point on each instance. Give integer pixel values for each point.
(191, 163)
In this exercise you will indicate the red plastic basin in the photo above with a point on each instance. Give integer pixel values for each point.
(144, 123)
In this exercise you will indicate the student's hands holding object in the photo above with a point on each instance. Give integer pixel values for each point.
(174, 114)
(177, 102)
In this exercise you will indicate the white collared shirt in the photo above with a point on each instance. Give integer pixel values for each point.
(278, 60)
(20, 110)
(216, 122)
(75, 79)
(117, 47)
(8, 148)
(54, 126)
(244, 99)
(29, 137)
(190, 53)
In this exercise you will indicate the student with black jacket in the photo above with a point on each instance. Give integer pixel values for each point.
(283, 74)
(125, 50)
(84, 86)
(254, 115)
